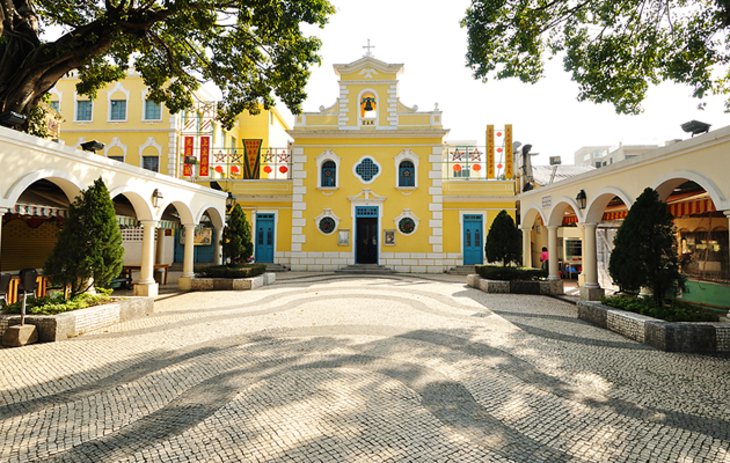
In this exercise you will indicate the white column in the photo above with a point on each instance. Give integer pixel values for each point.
(727, 214)
(146, 286)
(189, 254)
(160, 252)
(582, 276)
(526, 247)
(553, 253)
(217, 246)
(592, 290)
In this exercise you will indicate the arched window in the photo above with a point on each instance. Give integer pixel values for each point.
(406, 174)
(329, 174)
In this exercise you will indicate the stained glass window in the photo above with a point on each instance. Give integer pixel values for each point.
(406, 225)
(329, 174)
(327, 225)
(367, 169)
(406, 174)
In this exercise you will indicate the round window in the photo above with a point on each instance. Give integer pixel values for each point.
(406, 225)
(327, 225)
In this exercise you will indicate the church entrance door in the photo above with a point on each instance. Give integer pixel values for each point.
(472, 239)
(366, 235)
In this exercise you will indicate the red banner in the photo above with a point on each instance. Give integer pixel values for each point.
(253, 157)
(188, 151)
(490, 151)
(508, 151)
(204, 157)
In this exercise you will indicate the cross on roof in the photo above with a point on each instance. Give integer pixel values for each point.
(369, 48)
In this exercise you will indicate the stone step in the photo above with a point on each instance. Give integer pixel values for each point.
(276, 268)
(365, 268)
(461, 270)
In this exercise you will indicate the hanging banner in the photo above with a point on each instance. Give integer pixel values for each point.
(508, 164)
(490, 151)
(188, 151)
(251, 164)
(204, 157)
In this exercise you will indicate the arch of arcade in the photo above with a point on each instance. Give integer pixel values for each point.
(41, 167)
(691, 175)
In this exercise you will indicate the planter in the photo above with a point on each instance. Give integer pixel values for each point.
(692, 337)
(76, 322)
(544, 287)
(227, 284)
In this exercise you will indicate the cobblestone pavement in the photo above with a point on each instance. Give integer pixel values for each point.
(323, 368)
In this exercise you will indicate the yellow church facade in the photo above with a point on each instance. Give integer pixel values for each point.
(373, 182)
(368, 180)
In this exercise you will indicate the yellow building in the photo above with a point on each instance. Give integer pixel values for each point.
(140, 132)
(143, 133)
(373, 182)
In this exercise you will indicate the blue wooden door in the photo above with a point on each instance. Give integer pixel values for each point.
(264, 238)
(473, 239)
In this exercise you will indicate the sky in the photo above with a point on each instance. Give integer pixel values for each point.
(426, 37)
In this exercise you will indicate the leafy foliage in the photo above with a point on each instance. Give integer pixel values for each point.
(237, 245)
(55, 304)
(645, 252)
(89, 248)
(504, 240)
(613, 49)
(233, 271)
(677, 311)
(496, 272)
(250, 49)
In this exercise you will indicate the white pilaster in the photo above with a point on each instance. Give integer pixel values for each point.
(218, 246)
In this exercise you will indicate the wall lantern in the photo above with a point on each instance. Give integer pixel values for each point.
(156, 197)
(12, 119)
(581, 199)
(230, 201)
(92, 146)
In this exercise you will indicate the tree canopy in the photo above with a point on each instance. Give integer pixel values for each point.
(613, 49)
(251, 49)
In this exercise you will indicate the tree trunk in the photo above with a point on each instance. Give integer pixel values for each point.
(29, 68)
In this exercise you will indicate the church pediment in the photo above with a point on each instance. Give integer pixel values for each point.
(367, 68)
(368, 196)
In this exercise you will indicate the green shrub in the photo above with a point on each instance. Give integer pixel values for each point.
(497, 272)
(645, 251)
(232, 271)
(237, 245)
(504, 240)
(678, 311)
(55, 304)
(89, 248)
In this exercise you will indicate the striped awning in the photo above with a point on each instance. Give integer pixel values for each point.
(35, 210)
(678, 209)
(126, 221)
(696, 206)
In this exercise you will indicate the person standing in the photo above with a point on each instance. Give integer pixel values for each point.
(544, 258)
